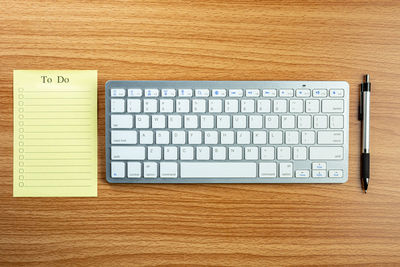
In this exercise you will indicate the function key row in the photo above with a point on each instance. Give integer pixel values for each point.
(169, 92)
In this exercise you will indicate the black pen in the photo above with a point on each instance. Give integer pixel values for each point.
(364, 115)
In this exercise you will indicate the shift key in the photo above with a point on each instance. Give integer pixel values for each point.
(326, 152)
(127, 152)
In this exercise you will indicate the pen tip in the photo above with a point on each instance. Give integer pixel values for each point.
(365, 191)
(367, 78)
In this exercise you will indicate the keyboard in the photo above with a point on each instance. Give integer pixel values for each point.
(227, 131)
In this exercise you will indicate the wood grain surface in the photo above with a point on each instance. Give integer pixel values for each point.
(224, 225)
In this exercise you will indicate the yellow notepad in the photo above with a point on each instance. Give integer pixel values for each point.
(55, 133)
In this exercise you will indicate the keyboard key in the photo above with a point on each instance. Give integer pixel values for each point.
(231, 106)
(158, 121)
(267, 170)
(146, 137)
(292, 137)
(219, 153)
(134, 92)
(154, 153)
(330, 137)
(308, 138)
(127, 152)
(336, 93)
(259, 137)
(211, 137)
(236, 93)
(319, 166)
(283, 153)
(312, 106)
(286, 93)
(215, 106)
(174, 121)
(182, 105)
(117, 169)
(185, 92)
(170, 153)
(304, 122)
(134, 170)
(166, 105)
(199, 105)
(303, 93)
(319, 173)
(168, 92)
(320, 122)
(271, 122)
(251, 153)
(168, 170)
(299, 153)
(332, 106)
(280, 106)
(150, 105)
(134, 105)
(202, 93)
(123, 137)
(336, 173)
(117, 105)
(219, 92)
(247, 105)
(235, 153)
(224, 122)
(218, 170)
(269, 93)
(195, 137)
(150, 169)
(142, 121)
(267, 153)
(203, 153)
(288, 122)
(207, 121)
(255, 122)
(263, 106)
(326, 153)
(151, 92)
(252, 92)
(275, 137)
(336, 122)
(286, 170)
(296, 106)
(162, 137)
(121, 121)
(243, 137)
(239, 122)
(178, 137)
(117, 92)
(191, 121)
(302, 174)
(319, 93)
(227, 137)
(186, 153)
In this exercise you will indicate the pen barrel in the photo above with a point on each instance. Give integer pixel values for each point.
(365, 121)
(365, 165)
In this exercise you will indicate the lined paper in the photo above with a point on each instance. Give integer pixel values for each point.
(55, 133)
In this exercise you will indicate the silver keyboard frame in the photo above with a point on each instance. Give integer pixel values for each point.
(340, 164)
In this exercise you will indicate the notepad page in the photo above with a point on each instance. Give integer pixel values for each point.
(55, 133)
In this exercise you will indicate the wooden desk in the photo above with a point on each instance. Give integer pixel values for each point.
(245, 225)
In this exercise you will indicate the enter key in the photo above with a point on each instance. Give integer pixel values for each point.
(330, 137)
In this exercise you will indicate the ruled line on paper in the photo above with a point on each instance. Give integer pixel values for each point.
(56, 105)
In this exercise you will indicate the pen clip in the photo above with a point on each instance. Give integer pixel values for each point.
(360, 111)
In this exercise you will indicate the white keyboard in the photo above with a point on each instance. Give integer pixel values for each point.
(227, 131)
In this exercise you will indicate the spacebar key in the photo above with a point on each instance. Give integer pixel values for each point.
(218, 170)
